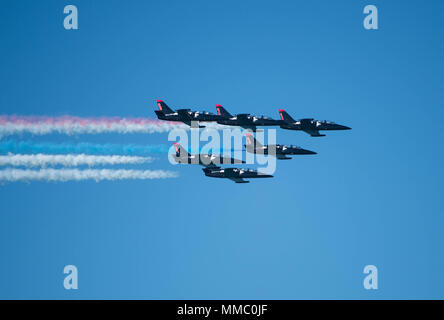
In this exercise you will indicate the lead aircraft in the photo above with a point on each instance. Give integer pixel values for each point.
(308, 125)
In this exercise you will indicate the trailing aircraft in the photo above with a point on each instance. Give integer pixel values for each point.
(234, 174)
(281, 152)
(309, 125)
(191, 118)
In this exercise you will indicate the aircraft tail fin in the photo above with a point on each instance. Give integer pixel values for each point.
(252, 142)
(164, 107)
(285, 116)
(180, 151)
(222, 111)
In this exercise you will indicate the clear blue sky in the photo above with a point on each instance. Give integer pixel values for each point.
(372, 195)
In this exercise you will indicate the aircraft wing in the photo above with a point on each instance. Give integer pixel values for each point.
(239, 180)
(314, 133)
(209, 160)
(252, 128)
(230, 170)
(282, 157)
(186, 118)
(230, 160)
(243, 117)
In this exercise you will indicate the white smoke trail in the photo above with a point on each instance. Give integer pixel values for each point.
(11, 125)
(68, 160)
(62, 175)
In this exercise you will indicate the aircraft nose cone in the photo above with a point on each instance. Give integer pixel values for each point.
(303, 151)
(345, 128)
(264, 175)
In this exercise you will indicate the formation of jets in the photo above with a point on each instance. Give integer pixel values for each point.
(212, 162)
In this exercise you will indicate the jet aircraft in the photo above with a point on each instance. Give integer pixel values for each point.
(206, 160)
(309, 125)
(235, 174)
(191, 118)
(282, 151)
(244, 120)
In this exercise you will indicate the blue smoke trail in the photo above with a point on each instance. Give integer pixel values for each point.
(29, 147)
(12, 146)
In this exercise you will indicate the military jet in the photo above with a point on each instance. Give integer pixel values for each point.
(206, 160)
(244, 120)
(235, 174)
(191, 118)
(309, 125)
(282, 151)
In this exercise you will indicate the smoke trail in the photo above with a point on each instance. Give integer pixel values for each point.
(68, 160)
(63, 175)
(40, 125)
(13, 146)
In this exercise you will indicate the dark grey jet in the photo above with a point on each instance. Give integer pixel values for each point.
(191, 118)
(206, 160)
(244, 120)
(234, 174)
(282, 151)
(309, 126)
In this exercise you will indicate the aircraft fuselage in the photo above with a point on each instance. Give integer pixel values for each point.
(235, 174)
(312, 126)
